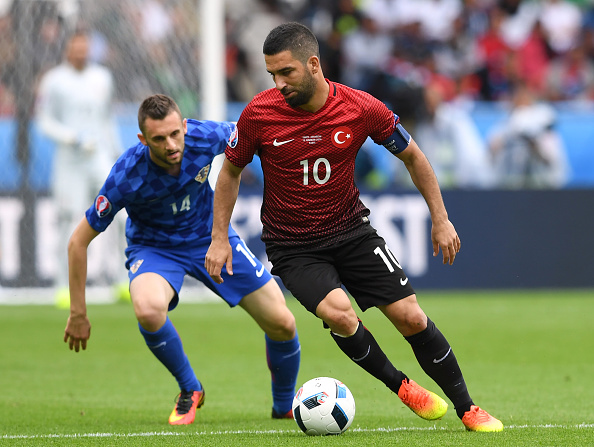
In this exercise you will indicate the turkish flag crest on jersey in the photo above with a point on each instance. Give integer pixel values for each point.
(342, 137)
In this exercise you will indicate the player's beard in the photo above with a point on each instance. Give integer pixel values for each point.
(304, 91)
(162, 159)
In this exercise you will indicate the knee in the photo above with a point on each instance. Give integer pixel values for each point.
(338, 313)
(150, 318)
(406, 315)
(284, 327)
(413, 323)
(341, 321)
(150, 294)
(344, 324)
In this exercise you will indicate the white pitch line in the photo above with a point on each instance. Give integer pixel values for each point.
(265, 432)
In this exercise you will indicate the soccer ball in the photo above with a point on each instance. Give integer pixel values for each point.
(323, 406)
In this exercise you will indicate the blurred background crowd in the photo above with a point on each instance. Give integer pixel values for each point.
(431, 61)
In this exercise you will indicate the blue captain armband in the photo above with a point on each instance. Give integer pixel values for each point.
(398, 141)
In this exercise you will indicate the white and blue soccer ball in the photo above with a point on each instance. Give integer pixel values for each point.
(323, 406)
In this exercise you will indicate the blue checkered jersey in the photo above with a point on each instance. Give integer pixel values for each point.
(163, 210)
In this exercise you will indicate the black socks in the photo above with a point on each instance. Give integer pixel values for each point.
(432, 351)
(362, 349)
(437, 359)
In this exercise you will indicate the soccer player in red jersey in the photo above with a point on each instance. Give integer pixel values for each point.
(307, 132)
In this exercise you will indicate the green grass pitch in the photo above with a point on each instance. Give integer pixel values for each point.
(528, 358)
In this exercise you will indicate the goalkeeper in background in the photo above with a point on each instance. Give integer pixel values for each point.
(74, 110)
(162, 182)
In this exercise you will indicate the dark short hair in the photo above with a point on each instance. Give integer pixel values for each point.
(294, 37)
(156, 107)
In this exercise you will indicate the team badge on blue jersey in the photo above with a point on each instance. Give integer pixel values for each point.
(102, 206)
(232, 142)
(134, 267)
(203, 174)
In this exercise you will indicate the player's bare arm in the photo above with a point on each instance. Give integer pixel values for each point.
(78, 327)
(226, 191)
(443, 233)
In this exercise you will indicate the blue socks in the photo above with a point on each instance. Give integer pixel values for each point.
(283, 359)
(166, 345)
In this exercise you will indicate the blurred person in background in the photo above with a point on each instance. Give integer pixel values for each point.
(526, 150)
(236, 65)
(331, 21)
(252, 18)
(365, 52)
(494, 55)
(435, 17)
(7, 56)
(561, 21)
(452, 142)
(588, 31)
(570, 77)
(43, 48)
(518, 20)
(458, 57)
(74, 110)
(530, 61)
(512, 49)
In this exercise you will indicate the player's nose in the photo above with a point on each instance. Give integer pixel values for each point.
(169, 143)
(280, 83)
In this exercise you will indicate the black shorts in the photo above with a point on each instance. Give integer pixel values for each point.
(363, 264)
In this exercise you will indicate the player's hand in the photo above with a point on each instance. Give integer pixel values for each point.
(87, 146)
(77, 332)
(444, 236)
(219, 254)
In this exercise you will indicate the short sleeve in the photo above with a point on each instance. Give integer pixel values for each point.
(380, 120)
(110, 199)
(210, 136)
(245, 143)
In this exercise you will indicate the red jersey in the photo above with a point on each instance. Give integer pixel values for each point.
(308, 160)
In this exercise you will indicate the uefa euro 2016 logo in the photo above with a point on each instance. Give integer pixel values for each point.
(102, 206)
(232, 142)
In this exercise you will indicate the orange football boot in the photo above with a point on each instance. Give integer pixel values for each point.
(185, 408)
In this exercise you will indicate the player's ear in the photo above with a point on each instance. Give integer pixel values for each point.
(185, 126)
(314, 64)
(142, 139)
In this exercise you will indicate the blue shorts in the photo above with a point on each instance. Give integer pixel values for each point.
(174, 263)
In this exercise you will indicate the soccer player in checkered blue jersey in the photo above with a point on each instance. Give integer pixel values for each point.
(307, 132)
(162, 182)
